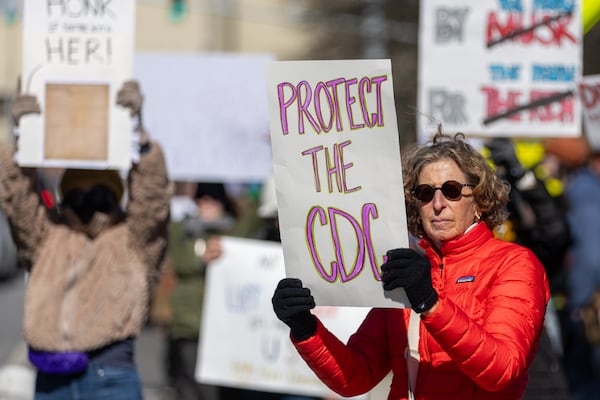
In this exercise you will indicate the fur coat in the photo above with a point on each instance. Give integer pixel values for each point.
(84, 290)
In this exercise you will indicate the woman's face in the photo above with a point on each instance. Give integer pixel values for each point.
(445, 219)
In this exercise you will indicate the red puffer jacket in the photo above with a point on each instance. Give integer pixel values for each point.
(476, 344)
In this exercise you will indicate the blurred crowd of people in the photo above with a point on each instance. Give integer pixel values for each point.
(106, 254)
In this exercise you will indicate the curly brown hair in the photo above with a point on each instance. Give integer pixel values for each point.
(489, 192)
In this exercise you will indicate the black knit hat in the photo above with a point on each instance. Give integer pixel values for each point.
(214, 190)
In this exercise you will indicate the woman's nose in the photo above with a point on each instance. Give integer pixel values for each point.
(438, 201)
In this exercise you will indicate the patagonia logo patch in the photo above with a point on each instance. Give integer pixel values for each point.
(465, 279)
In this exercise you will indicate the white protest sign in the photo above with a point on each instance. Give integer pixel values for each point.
(209, 113)
(338, 176)
(243, 344)
(76, 56)
(500, 67)
(589, 93)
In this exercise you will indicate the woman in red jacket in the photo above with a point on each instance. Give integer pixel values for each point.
(478, 302)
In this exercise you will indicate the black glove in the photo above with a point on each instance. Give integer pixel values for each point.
(408, 269)
(292, 304)
(502, 153)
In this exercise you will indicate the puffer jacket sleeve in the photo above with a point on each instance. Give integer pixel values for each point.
(27, 216)
(351, 369)
(496, 351)
(148, 207)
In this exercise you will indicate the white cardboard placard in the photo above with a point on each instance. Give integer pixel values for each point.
(481, 59)
(209, 113)
(242, 343)
(338, 176)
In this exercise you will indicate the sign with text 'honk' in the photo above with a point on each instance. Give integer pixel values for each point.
(76, 56)
(338, 176)
(500, 68)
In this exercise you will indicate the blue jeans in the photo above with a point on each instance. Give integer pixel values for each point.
(98, 382)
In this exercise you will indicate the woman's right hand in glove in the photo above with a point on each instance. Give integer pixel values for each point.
(292, 304)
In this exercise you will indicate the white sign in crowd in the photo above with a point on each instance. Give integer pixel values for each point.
(500, 68)
(338, 176)
(589, 93)
(209, 113)
(242, 343)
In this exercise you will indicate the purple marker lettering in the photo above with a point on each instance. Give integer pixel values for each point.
(349, 101)
(365, 86)
(378, 80)
(310, 223)
(359, 261)
(333, 167)
(283, 104)
(303, 107)
(333, 84)
(322, 88)
(313, 152)
(345, 166)
(370, 210)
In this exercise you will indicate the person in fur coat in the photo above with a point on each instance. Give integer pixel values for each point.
(90, 265)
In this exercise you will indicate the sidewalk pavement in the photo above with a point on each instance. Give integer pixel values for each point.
(17, 377)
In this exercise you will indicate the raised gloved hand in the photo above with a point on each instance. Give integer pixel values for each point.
(130, 96)
(292, 304)
(24, 104)
(502, 153)
(410, 270)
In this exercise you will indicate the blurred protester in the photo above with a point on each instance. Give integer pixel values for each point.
(572, 152)
(8, 251)
(536, 220)
(267, 230)
(537, 211)
(182, 205)
(90, 267)
(582, 348)
(194, 241)
(479, 302)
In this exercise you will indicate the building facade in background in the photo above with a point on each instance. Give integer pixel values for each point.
(246, 26)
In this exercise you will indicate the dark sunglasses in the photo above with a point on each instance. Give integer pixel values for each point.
(452, 190)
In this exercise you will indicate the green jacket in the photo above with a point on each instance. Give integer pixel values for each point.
(185, 246)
